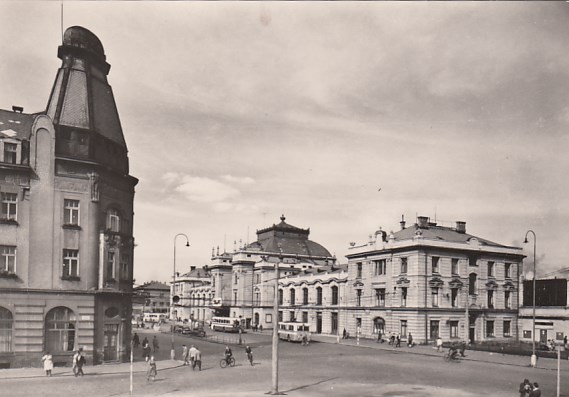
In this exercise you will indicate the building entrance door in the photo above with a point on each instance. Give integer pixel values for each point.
(319, 322)
(110, 342)
(334, 329)
(543, 335)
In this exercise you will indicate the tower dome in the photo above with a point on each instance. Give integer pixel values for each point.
(78, 36)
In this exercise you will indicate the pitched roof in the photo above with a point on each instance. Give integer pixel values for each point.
(153, 285)
(15, 125)
(433, 232)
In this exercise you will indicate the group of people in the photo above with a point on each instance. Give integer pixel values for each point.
(257, 327)
(194, 355)
(146, 350)
(77, 362)
(528, 389)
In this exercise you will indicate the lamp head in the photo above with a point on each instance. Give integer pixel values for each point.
(526, 240)
(187, 243)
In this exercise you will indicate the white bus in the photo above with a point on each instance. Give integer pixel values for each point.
(153, 317)
(226, 324)
(293, 331)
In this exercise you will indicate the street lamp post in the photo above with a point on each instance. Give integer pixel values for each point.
(533, 361)
(173, 350)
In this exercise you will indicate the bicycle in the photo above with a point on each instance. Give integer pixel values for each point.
(250, 357)
(451, 357)
(225, 362)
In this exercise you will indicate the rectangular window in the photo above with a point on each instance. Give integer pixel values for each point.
(454, 329)
(380, 297)
(434, 328)
(490, 299)
(454, 266)
(318, 296)
(435, 264)
(257, 298)
(71, 212)
(404, 296)
(358, 297)
(380, 267)
(124, 267)
(473, 260)
(280, 297)
(8, 259)
(507, 302)
(304, 317)
(10, 150)
(508, 270)
(435, 297)
(235, 298)
(292, 297)
(454, 297)
(113, 220)
(235, 279)
(268, 318)
(111, 265)
(489, 328)
(490, 269)
(291, 316)
(9, 206)
(70, 263)
(403, 328)
(403, 265)
(359, 270)
(527, 334)
(507, 328)
(305, 296)
(258, 278)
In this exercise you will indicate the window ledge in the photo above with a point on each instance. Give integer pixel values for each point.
(71, 278)
(5, 274)
(71, 226)
(6, 221)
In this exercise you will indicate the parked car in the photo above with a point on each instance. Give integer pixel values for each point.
(186, 330)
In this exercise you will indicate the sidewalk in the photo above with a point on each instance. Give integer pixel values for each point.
(90, 370)
(428, 350)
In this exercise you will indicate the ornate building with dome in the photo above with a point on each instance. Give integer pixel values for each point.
(66, 237)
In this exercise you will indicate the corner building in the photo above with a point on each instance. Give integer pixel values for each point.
(66, 237)
(431, 280)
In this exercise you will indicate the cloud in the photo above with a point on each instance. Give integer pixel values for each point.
(200, 189)
(246, 180)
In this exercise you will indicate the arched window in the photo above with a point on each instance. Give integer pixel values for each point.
(378, 326)
(6, 321)
(292, 296)
(334, 295)
(472, 287)
(280, 297)
(60, 330)
(305, 296)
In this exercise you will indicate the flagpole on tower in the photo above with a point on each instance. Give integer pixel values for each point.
(61, 21)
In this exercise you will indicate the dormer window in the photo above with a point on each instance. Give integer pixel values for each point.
(10, 153)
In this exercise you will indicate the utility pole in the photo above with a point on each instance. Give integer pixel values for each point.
(275, 369)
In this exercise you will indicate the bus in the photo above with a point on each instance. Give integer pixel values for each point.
(226, 324)
(293, 331)
(153, 317)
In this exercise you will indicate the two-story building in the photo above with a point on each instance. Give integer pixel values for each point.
(431, 280)
(66, 238)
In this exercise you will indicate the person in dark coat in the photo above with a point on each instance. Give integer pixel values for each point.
(135, 340)
(536, 392)
(525, 388)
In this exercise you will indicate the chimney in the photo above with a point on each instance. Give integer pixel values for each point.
(17, 109)
(192, 268)
(402, 223)
(461, 226)
(423, 221)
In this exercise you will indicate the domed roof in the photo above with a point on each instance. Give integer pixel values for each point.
(78, 36)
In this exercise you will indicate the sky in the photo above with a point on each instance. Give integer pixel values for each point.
(341, 116)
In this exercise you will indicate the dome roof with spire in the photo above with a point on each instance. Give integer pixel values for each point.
(78, 36)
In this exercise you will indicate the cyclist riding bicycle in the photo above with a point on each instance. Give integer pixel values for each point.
(249, 354)
(228, 354)
(453, 353)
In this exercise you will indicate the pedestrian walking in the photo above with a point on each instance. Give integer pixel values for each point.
(193, 351)
(47, 363)
(152, 370)
(261, 328)
(344, 333)
(185, 354)
(146, 351)
(462, 348)
(80, 362)
(439, 343)
(135, 340)
(392, 340)
(74, 361)
(379, 339)
(398, 341)
(154, 344)
(197, 360)
(410, 340)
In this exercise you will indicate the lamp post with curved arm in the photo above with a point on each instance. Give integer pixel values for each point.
(533, 361)
(173, 350)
